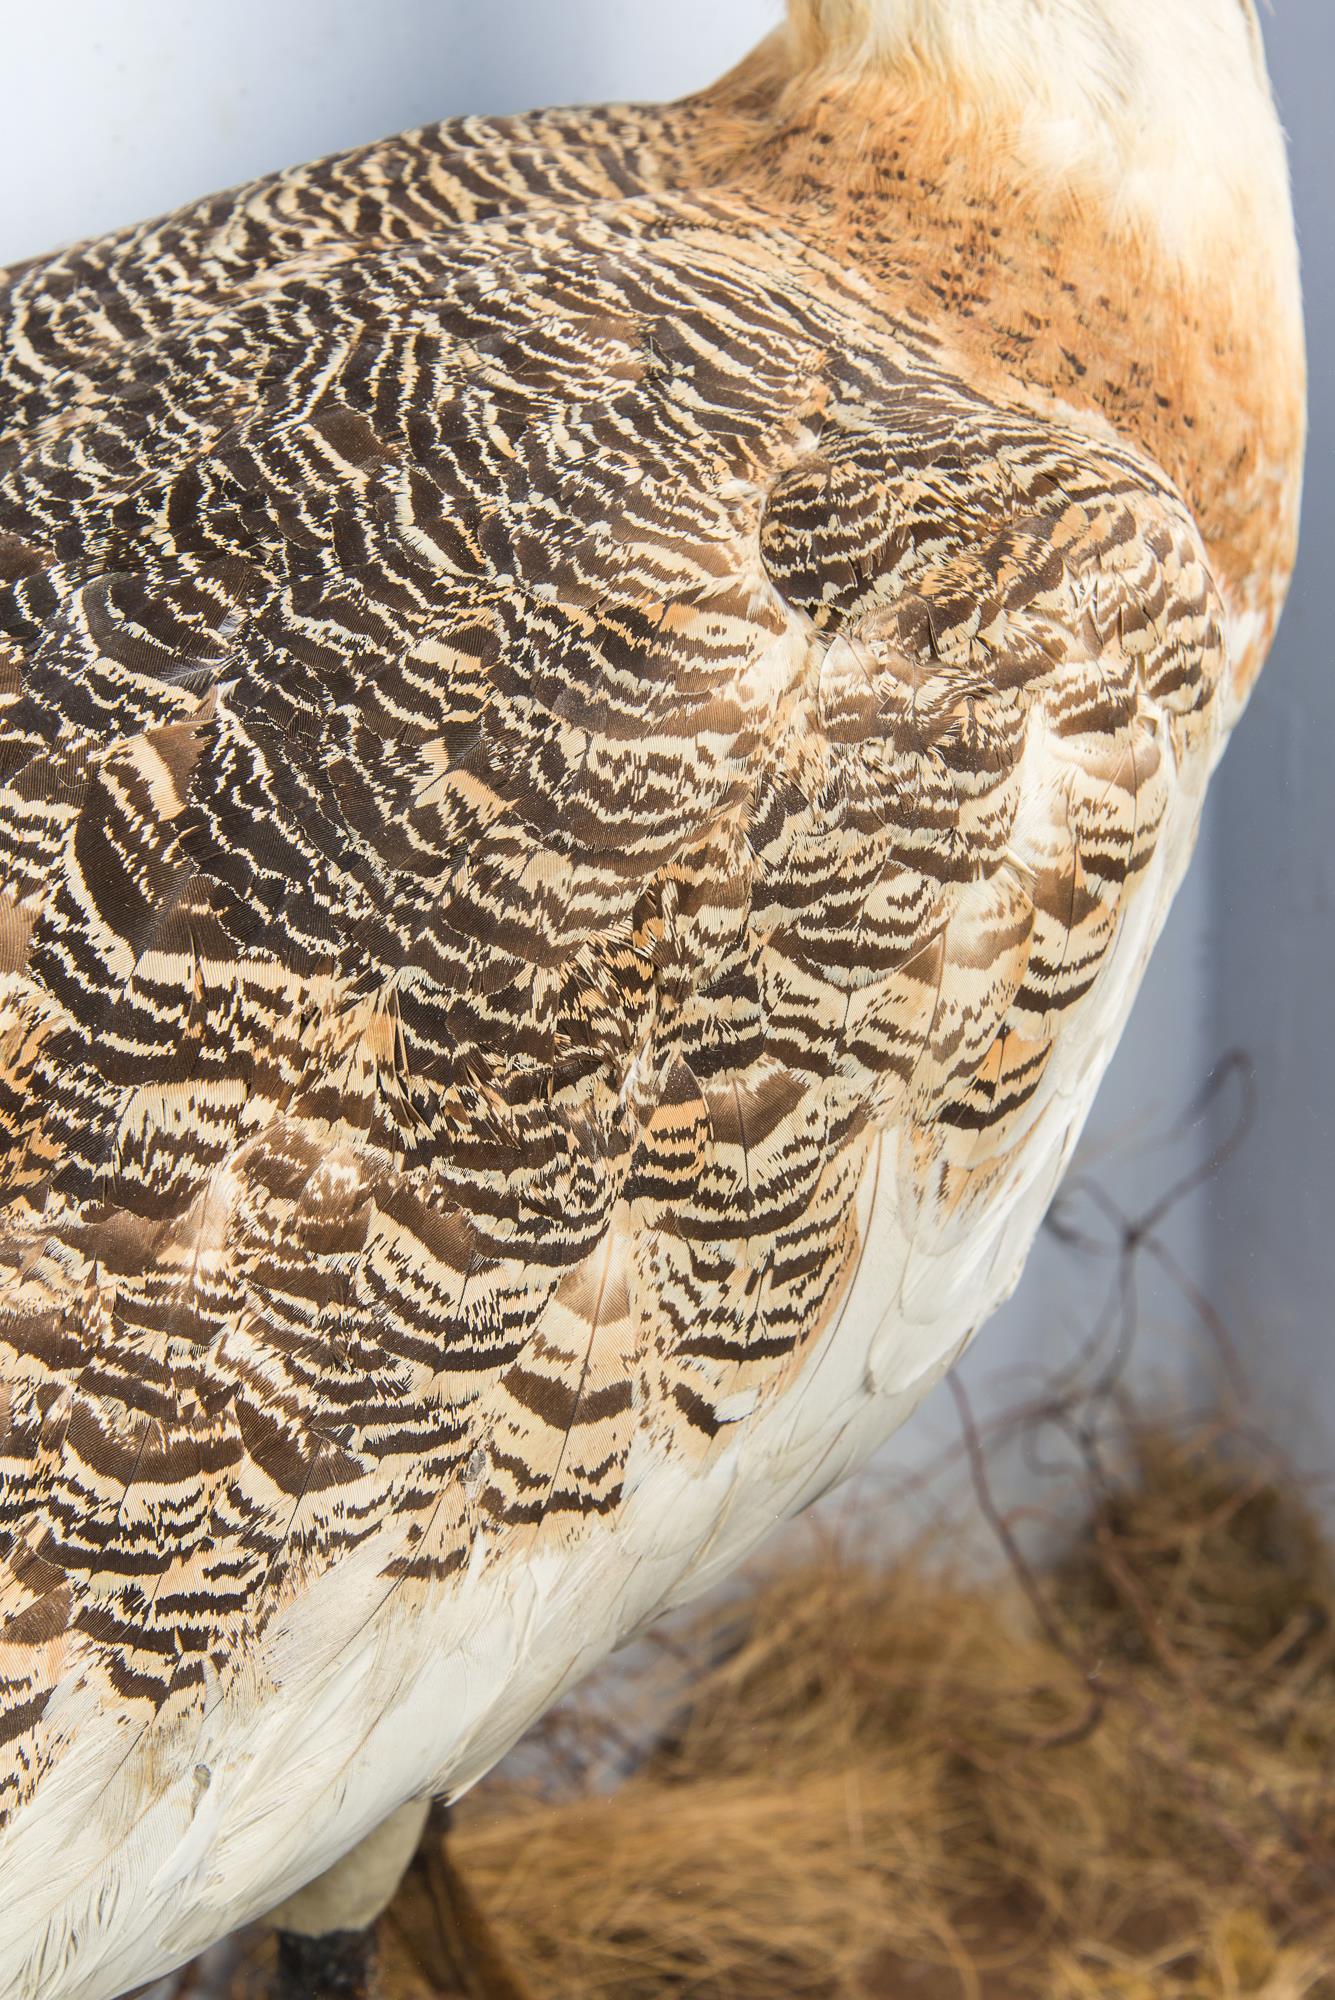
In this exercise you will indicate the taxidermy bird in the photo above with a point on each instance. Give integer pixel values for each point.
(601, 713)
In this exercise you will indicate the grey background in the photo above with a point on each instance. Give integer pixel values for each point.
(114, 112)
(1270, 851)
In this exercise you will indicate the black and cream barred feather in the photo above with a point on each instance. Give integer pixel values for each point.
(579, 812)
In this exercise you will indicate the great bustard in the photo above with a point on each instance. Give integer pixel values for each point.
(602, 710)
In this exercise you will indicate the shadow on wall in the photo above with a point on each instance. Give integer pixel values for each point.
(1271, 831)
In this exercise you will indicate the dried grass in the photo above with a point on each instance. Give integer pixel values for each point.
(881, 1781)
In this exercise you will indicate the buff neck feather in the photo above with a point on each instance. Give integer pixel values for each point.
(1158, 110)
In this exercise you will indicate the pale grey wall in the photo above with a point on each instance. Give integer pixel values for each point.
(1272, 837)
(116, 109)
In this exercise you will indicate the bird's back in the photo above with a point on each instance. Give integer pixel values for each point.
(581, 809)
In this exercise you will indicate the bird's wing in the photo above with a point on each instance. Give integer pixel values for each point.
(68, 317)
(527, 760)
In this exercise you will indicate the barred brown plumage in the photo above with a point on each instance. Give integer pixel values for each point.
(585, 787)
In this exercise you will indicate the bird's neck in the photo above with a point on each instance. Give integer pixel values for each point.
(1088, 200)
(1159, 110)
